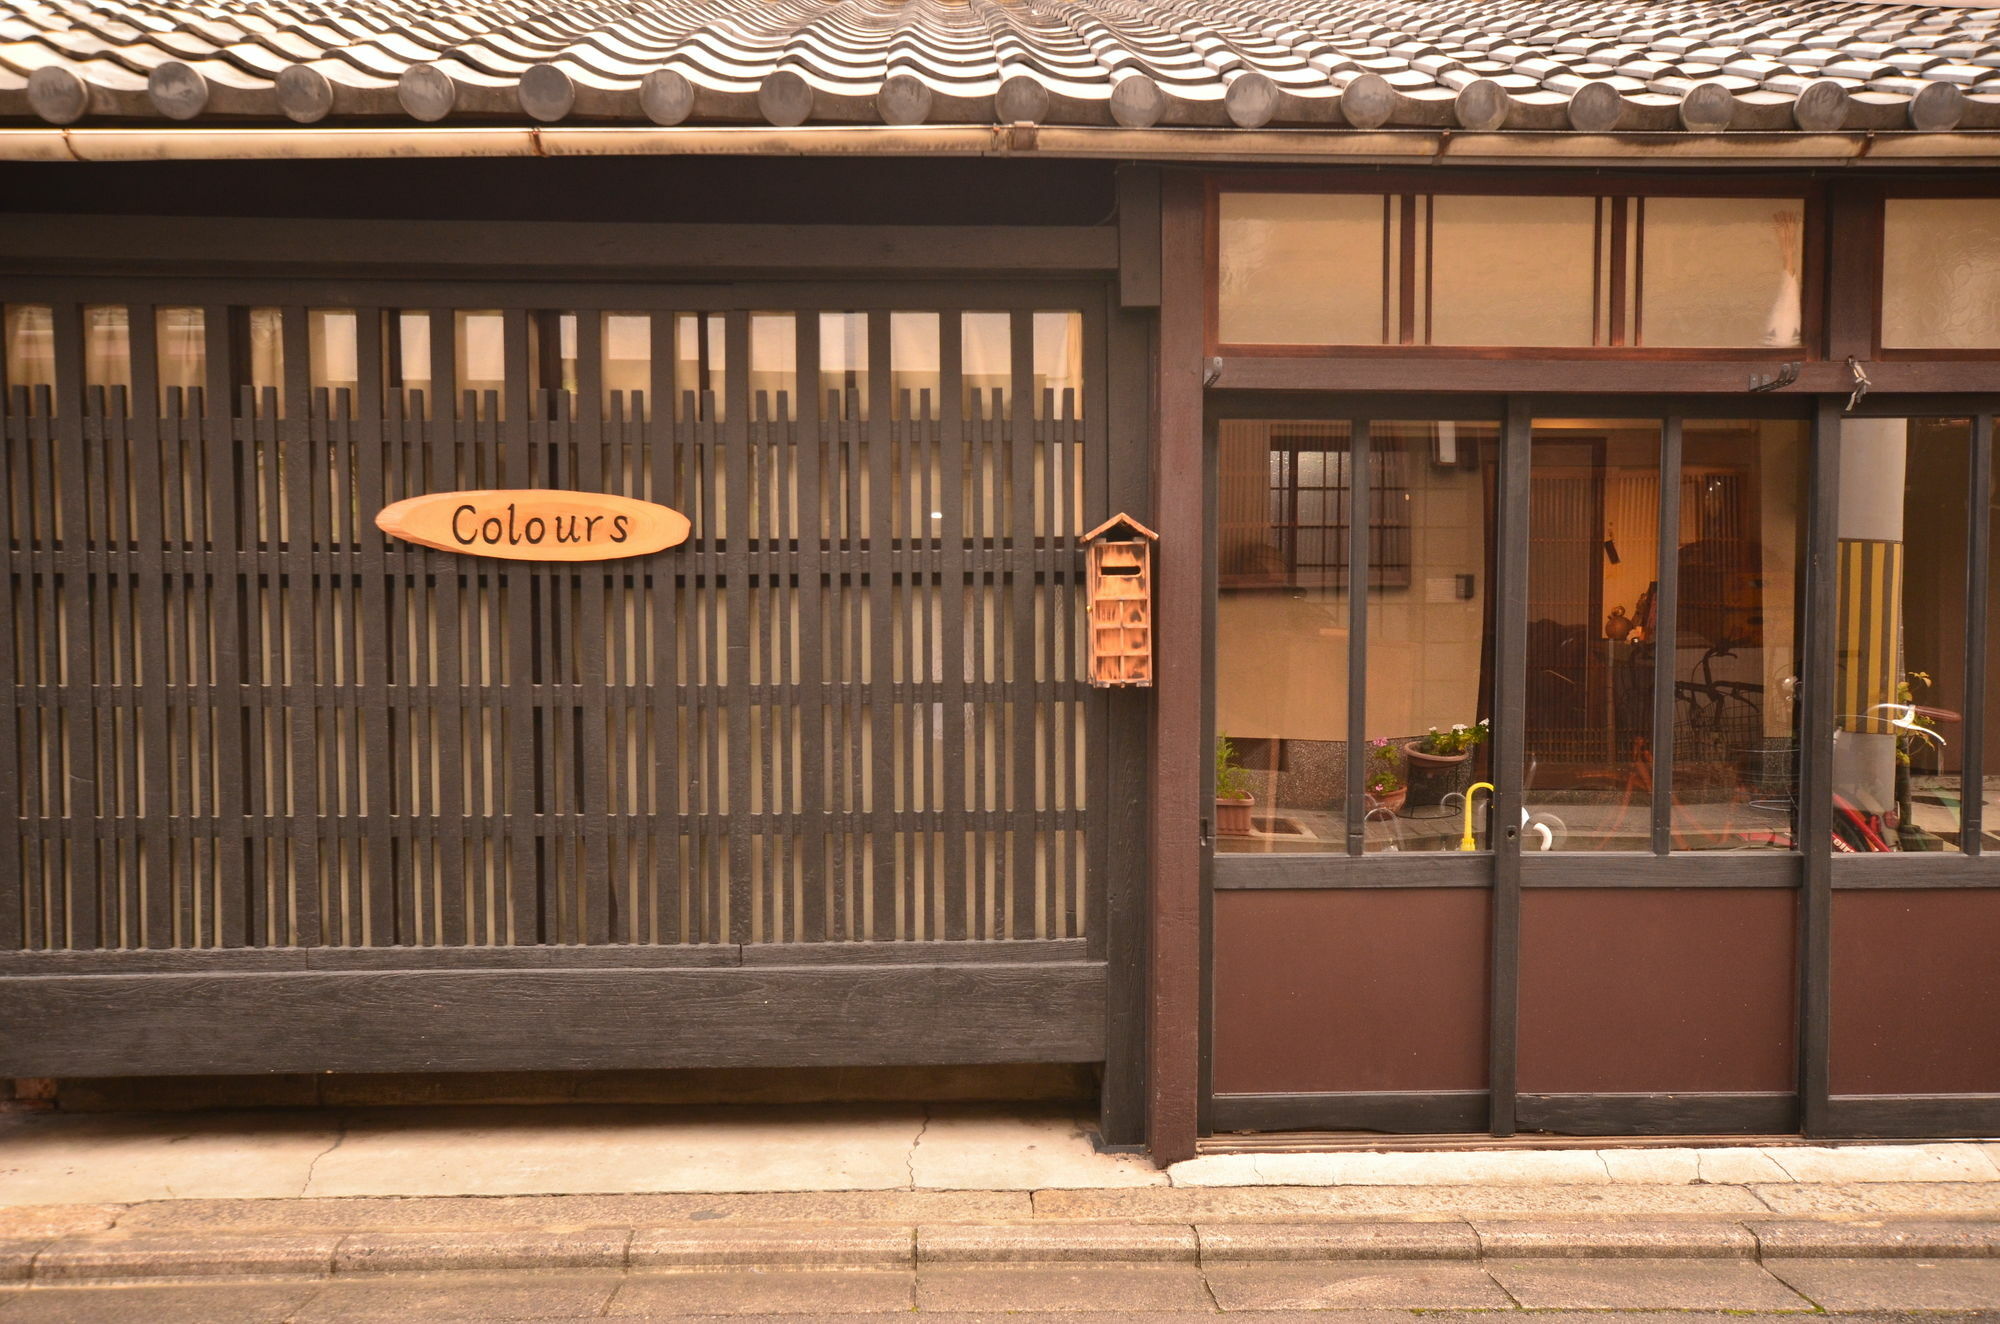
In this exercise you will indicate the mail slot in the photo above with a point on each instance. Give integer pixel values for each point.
(1120, 558)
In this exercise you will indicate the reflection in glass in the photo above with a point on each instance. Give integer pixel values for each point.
(1593, 519)
(1282, 629)
(1302, 268)
(1429, 551)
(107, 350)
(1513, 270)
(31, 349)
(1721, 271)
(182, 347)
(1941, 273)
(1742, 542)
(628, 365)
(481, 347)
(843, 364)
(1901, 635)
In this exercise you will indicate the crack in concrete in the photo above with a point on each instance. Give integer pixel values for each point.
(910, 1162)
(1779, 1165)
(340, 1138)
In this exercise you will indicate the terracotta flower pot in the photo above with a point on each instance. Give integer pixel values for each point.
(1232, 817)
(1390, 800)
(1434, 776)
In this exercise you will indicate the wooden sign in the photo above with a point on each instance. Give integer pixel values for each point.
(531, 524)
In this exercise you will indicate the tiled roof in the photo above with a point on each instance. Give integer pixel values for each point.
(1597, 65)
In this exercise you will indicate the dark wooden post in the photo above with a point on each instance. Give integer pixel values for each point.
(1179, 769)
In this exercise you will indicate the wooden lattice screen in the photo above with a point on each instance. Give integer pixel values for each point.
(850, 708)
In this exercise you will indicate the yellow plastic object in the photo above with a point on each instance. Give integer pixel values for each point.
(1466, 842)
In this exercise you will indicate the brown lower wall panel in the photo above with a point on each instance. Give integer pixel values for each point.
(1350, 989)
(1916, 992)
(549, 1020)
(1636, 990)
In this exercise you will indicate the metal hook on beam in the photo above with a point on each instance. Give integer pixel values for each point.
(1861, 383)
(1786, 374)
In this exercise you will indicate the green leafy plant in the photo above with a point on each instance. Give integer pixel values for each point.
(1385, 773)
(1906, 695)
(1459, 740)
(1232, 779)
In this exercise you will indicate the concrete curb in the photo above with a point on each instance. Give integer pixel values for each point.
(134, 1256)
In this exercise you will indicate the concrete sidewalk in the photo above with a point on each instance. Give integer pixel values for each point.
(124, 1159)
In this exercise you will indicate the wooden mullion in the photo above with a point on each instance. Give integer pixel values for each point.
(1360, 514)
(375, 653)
(1509, 733)
(703, 452)
(1666, 633)
(529, 902)
(1979, 547)
(224, 601)
(1020, 577)
(449, 586)
(1815, 802)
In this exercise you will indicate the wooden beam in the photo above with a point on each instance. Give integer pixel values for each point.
(1180, 767)
(1139, 236)
(550, 1020)
(442, 249)
(1544, 375)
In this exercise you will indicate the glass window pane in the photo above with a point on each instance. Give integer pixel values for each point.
(1900, 635)
(107, 350)
(915, 353)
(265, 353)
(481, 346)
(1513, 271)
(1280, 651)
(1720, 271)
(1742, 546)
(31, 349)
(1429, 655)
(182, 344)
(774, 365)
(628, 365)
(1941, 273)
(1593, 519)
(1990, 791)
(843, 364)
(1059, 365)
(334, 335)
(987, 364)
(406, 349)
(1302, 269)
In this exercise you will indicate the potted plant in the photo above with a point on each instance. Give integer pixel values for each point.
(1232, 792)
(1385, 775)
(1440, 762)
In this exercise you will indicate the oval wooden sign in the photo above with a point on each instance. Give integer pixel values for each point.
(535, 524)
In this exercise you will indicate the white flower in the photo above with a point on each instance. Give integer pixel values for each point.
(1458, 726)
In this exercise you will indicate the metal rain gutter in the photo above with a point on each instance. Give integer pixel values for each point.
(1293, 146)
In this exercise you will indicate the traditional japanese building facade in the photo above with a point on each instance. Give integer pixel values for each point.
(1541, 683)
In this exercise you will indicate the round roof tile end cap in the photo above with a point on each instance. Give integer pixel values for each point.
(785, 98)
(304, 95)
(1820, 107)
(546, 93)
(1707, 108)
(178, 90)
(1481, 105)
(1021, 99)
(667, 97)
(1937, 108)
(58, 95)
(1596, 108)
(904, 99)
(426, 93)
(1137, 102)
(1368, 101)
(1251, 100)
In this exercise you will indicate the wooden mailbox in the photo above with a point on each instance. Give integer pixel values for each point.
(1120, 584)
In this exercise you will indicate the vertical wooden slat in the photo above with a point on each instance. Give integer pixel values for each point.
(664, 455)
(447, 586)
(302, 436)
(812, 431)
(587, 441)
(527, 640)
(954, 586)
(77, 803)
(878, 607)
(377, 651)
(742, 826)
(15, 691)
(1024, 892)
